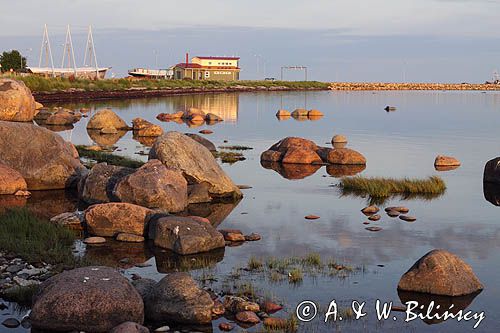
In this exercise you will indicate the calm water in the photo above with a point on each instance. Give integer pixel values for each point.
(396, 144)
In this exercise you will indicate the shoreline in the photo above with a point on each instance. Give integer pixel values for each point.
(377, 86)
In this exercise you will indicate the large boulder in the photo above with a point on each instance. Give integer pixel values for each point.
(293, 142)
(440, 272)
(154, 186)
(63, 117)
(98, 185)
(43, 158)
(180, 152)
(16, 101)
(178, 298)
(446, 161)
(143, 127)
(11, 181)
(106, 119)
(492, 171)
(301, 156)
(185, 235)
(344, 156)
(110, 219)
(198, 138)
(90, 299)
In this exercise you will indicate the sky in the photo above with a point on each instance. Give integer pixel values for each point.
(355, 40)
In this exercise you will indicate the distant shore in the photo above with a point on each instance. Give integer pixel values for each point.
(354, 86)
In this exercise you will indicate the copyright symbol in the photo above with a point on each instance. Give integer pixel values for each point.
(306, 311)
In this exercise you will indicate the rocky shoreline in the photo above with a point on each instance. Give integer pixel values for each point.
(348, 86)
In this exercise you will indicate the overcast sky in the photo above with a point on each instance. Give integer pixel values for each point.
(356, 37)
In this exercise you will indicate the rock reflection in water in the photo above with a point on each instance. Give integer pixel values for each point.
(491, 193)
(459, 303)
(214, 212)
(446, 167)
(118, 254)
(168, 261)
(147, 141)
(105, 140)
(56, 128)
(292, 171)
(339, 171)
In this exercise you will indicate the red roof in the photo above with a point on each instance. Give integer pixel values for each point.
(220, 58)
(190, 65)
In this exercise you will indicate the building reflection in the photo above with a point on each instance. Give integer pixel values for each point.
(224, 105)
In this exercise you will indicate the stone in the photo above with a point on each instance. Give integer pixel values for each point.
(16, 101)
(283, 114)
(192, 113)
(370, 210)
(314, 113)
(25, 282)
(42, 157)
(11, 322)
(375, 217)
(253, 237)
(11, 181)
(144, 287)
(440, 272)
(106, 118)
(184, 235)
(301, 156)
(276, 323)
(142, 127)
(62, 117)
(408, 218)
(14, 268)
(131, 238)
(374, 229)
(236, 304)
(154, 186)
(94, 240)
(205, 142)
(339, 138)
(400, 209)
(198, 193)
(180, 152)
(226, 327)
(444, 161)
(311, 217)
(129, 327)
(491, 171)
(22, 194)
(233, 237)
(109, 219)
(247, 317)
(98, 185)
(271, 156)
(211, 118)
(91, 299)
(293, 142)
(342, 156)
(70, 220)
(393, 213)
(300, 113)
(270, 307)
(206, 132)
(178, 298)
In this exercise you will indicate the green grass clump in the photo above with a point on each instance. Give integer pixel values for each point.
(295, 275)
(235, 147)
(111, 159)
(379, 187)
(312, 260)
(229, 157)
(254, 264)
(36, 240)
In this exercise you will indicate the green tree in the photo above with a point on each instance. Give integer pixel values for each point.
(12, 60)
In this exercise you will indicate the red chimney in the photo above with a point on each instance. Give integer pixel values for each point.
(187, 58)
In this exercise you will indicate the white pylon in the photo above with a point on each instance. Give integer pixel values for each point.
(48, 51)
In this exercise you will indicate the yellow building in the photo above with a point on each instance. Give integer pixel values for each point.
(208, 68)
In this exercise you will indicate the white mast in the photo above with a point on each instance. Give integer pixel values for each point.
(90, 52)
(48, 51)
(68, 47)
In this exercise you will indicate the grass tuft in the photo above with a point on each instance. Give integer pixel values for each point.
(295, 275)
(111, 159)
(255, 264)
(235, 147)
(229, 157)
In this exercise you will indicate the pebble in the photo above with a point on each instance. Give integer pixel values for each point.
(162, 329)
(226, 327)
(370, 210)
(25, 283)
(408, 218)
(400, 209)
(373, 228)
(11, 323)
(366, 222)
(94, 240)
(393, 213)
(206, 132)
(253, 237)
(14, 268)
(311, 217)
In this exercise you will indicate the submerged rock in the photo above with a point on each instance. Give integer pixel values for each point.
(16, 101)
(110, 219)
(43, 158)
(154, 186)
(91, 299)
(184, 235)
(440, 272)
(180, 152)
(11, 181)
(178, 298)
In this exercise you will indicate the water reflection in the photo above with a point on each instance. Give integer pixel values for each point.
(339, 171)
(214, 212)
(446, 167)
(223, 105)
(105, 140)
(447, 304)
(292, 171)
(118, 254)
(168, 261)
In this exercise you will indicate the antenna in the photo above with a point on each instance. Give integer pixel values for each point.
(48, 52)
(90, 54)
(68, 47)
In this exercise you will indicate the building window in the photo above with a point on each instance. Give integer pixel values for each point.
(207, 75)
(209, 62)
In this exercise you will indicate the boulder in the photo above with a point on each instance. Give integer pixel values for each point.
(16, 101)
(491, 171)
(11, 181)
(62, 117)
(98, 185)
(440, 272)
(143, 127)
(314, 113)
(106, 119)
(91, 299)
(293, 142)
(109, 219)
(271, 156)
(198, 193)
(144, 287)
(342, 156)
(446, 161)
(154, 186)
(212, 118)
(300, 113)
(194, 113)
(339, 138)
(180, 152)
(178, 298)
(283, 114)
(42, 157)
(205, 142)
(301, 156)
(184, 235)
(129, 327)
(236, 304)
